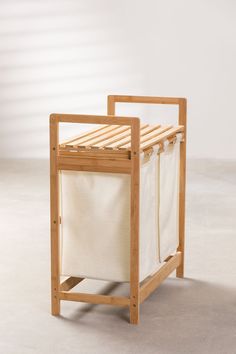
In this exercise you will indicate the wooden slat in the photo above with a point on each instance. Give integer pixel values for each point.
(156, 279)
(143, 132)
(82, 135)
(102, 137)
(117, 137)
(95, 299)
(93, 134)
(149, 136)
(161, 137)
(155, 133)
(70, 283)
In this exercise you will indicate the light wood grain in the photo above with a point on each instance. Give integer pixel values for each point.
(134, 222)
(110, 105)
(115, 161)
(156, 279)
(117, 137)
(126, 140)
(70, 283)
(93, 162)
(91, 119)
(103, 137)
(93, 135)
(182, 184)
(95, 299)
(99, 154)
(112, 99)
(148, 137)
(160, 138)
(55, 217)
(83, 135)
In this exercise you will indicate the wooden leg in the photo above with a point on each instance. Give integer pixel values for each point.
(182, 174)
(54, 205)
(180, 269)
(134, 224)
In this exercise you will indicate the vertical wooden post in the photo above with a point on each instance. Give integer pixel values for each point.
(110, 105)
(182, 182)
(134, 213)
(54, 206)
(134, 221)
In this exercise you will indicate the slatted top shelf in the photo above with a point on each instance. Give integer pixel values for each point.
(117, 139)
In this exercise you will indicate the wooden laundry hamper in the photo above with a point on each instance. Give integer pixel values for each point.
(115, 147)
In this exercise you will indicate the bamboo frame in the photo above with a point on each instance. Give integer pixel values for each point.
(182, 120)
(130, 164)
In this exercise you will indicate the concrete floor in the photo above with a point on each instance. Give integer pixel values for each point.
(194, 315)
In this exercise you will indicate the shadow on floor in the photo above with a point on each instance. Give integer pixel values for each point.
(181, 316)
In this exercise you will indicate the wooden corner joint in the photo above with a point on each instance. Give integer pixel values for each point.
(53, 118)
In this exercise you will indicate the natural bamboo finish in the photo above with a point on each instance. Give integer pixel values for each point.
(112, 99)
(182, 121)
(55, 217)
(70, 283)
(101, 127)
(117, 140)
(134, 221)
(182, 184)
(100, 165)
(152, 282)
(95, 299)
(115, 146)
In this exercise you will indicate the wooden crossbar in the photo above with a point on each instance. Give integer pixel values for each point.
(152, 282)
(146, 287)
(93, 164)
(111, 99)
(95, 299)
(70, 283)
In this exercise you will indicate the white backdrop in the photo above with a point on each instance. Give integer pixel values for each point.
(67, 55)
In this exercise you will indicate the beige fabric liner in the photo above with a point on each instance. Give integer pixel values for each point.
(95, 219)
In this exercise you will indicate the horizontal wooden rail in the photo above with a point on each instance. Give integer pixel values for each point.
(111, 154)
(70, 283)
(156, 279)
(180, 101)
(93, 119)
(95, 299)
(145, 99)
(94, 164)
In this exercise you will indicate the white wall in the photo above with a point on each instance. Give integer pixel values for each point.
(67, 55)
